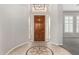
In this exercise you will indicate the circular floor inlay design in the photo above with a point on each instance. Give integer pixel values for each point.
(39, 50)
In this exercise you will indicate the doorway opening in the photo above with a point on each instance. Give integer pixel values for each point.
(39, 27)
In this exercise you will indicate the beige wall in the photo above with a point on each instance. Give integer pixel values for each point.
(14, 28)
(14, 25)
(56, 26)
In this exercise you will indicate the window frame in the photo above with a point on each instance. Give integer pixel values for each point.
(68, 20)
(74, 14)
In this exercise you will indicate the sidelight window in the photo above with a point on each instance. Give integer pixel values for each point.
(68, 24)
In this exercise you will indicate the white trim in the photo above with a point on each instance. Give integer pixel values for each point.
(29, 28)
(49, 27)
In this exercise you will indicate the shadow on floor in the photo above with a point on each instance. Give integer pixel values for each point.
(73, 51)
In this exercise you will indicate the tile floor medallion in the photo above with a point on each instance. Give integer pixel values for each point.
(39, 50)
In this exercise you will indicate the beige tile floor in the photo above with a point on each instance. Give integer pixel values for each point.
(39, 48)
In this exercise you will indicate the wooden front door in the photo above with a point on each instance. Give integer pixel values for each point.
(39, 28)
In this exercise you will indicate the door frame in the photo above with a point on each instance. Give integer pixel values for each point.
(47, 33)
